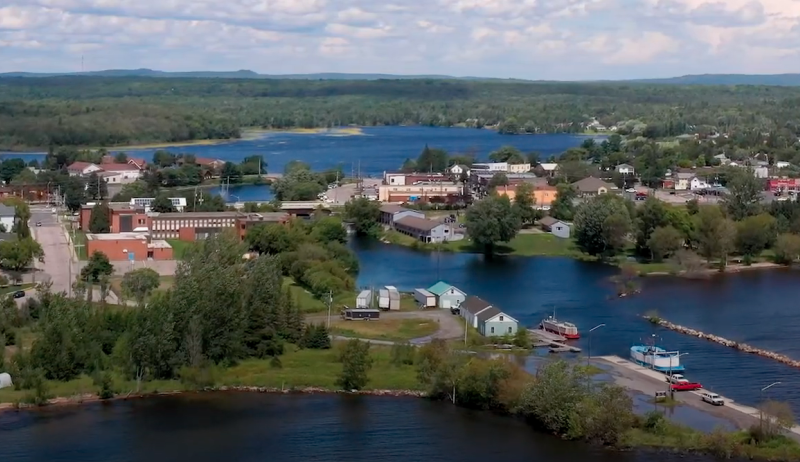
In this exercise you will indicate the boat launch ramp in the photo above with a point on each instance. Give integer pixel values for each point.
(556, 343)
(642, 379)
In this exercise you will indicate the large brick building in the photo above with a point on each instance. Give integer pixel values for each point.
(128, 246)
(191, 226)
(123, 217)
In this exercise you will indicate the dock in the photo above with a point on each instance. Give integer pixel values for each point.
(556, 343)
(659, 377)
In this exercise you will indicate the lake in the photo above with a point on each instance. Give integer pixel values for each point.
(758, 308)
(241, 427)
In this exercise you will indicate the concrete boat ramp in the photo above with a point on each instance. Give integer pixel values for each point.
(660, 377)
(542, 338)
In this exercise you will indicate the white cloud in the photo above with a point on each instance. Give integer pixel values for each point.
(536, 39)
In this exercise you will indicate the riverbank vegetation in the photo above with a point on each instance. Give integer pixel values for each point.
(102, 111)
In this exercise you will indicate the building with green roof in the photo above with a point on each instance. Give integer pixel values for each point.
(447, 296)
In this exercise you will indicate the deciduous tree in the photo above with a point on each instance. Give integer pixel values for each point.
(365, 216)
(563, 207)
(100, 219)
(492, 220)
(356, 364)
(140, 283)
(602, 225)
(524, 203)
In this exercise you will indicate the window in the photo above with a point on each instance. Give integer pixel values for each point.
(493, 330)
(509, 329)
(501, 318)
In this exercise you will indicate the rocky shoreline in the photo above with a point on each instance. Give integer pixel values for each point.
(93, 398)
(743, 347)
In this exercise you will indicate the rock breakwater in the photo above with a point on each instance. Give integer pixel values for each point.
(743, 347)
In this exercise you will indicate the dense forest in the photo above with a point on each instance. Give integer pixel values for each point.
(113, 111)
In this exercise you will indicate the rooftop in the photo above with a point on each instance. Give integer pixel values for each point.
(185, 215)
(159, 244)
(474, 304)
(592, 184)
(439, 288)
(7, 211)
(119, 167)
(116, 236)
(420, 224)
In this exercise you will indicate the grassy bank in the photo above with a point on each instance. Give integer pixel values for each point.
(12, 288)
(298, 368)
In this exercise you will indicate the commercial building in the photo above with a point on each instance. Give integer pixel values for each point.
(128, 246)
(392, 212)
(592, 186)
(505, 167)
(191, 226)
(425, 230)
(542, 194)
(247, 221)
(442, 192)
(783, 185)
(402, 179)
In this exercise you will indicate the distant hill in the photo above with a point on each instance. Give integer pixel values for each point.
(781, 80)
(242, 74)
(786, 80)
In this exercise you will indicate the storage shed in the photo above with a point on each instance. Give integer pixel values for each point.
(424, 298)
(360, 314)
(448, 296)
(394, 297)
(383, 299)
(5, 380)
(364, 299)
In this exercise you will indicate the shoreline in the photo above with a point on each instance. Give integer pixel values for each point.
(88, 398)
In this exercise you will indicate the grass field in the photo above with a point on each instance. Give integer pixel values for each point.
(396, 330)
(166, 283)
(525, 245)
(299, 368)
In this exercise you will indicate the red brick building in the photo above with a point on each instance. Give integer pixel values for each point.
(123, 217)
(783, 184)
(191, 226)
(128, 246)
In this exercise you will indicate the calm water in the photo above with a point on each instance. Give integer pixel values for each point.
(250, 427)
(759, 308)
(379, 149)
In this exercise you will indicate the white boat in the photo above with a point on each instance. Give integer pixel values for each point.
(656, 358)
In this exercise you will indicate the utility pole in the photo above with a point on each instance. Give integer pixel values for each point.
(330, 302)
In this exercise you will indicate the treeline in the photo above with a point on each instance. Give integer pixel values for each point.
(100, 111)
(220, 310)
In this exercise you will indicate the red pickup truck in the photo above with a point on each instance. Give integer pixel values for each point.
(686, 386)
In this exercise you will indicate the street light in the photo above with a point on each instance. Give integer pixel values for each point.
(761, 407)
(589, 357)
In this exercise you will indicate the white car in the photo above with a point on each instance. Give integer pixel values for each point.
(676, 378)
(713, 398)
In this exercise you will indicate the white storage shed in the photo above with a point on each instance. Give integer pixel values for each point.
(364, 299)
(424, 298)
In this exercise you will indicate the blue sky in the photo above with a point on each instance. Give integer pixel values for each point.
(532, 39)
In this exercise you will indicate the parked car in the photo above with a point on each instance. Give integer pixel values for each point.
(713, 398)
(676, 378)
(686, 386)
(38, 223)
(19, 294)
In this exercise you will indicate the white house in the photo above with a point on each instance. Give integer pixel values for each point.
(120, 173)
(549, 168)
(625, 169)
(782, 164)
(7, 214)
(82, 168)
(458, 170)
(696, 183)
(683, 180)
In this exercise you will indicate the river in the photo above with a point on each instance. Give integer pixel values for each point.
(758, 308)
(240, 427)
(377, 150)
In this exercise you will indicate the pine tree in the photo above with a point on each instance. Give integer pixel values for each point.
(292, 318)
(96, 187)
(99, 221)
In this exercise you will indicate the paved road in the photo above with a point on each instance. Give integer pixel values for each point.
(59, 266)
(344, 193)
(450, 326)
(636, 378)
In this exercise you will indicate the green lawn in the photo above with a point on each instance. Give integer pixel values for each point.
(79, 241)
(526, 245)
(179, 248)
(396, 330)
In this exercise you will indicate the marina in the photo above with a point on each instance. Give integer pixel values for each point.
(557, 344)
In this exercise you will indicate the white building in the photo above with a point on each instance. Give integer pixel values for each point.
(625, 169)
(494, 167)
(458, 170)
(120, 173)
(7, 214)
(178, 202)
(696, 183)
(782, 164)
(549, 168)
(82, 168)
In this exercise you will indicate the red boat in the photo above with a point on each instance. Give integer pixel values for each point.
(686, 386)
(562, 328)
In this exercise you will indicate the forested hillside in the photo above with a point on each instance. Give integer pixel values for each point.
(109, 111)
